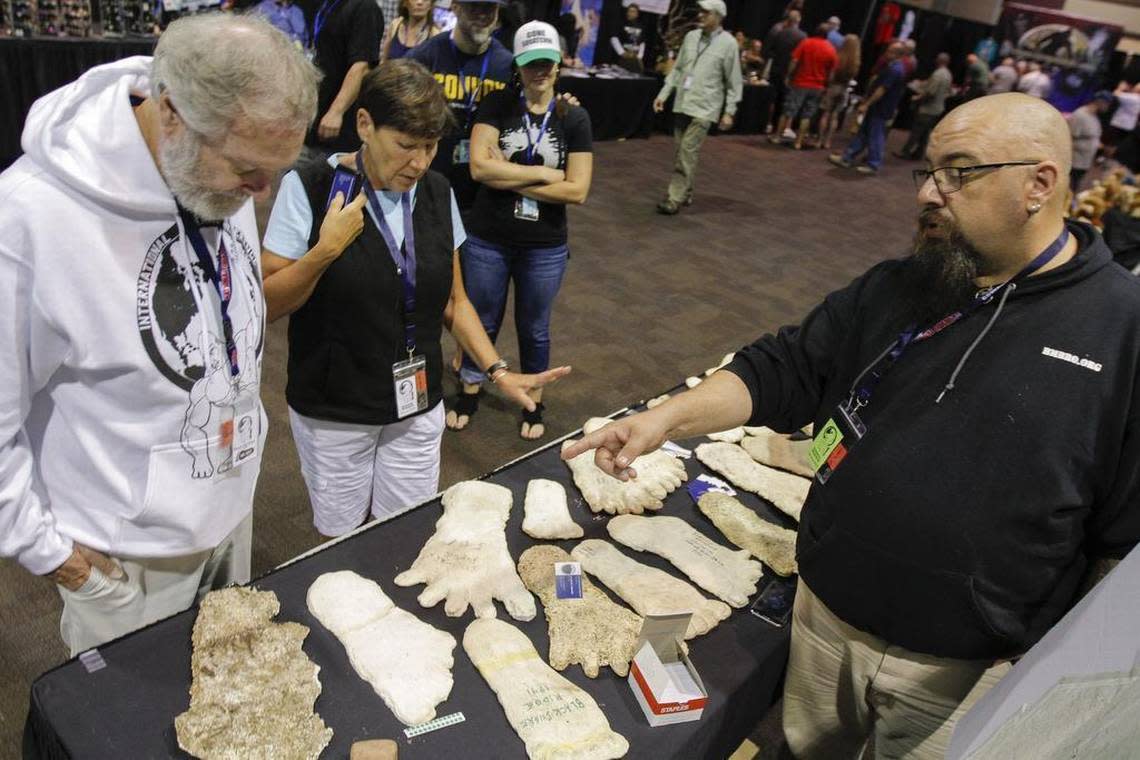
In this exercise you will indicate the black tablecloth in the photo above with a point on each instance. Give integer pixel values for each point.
(127, 709)
(34, 66)
(619, 108)
(752, 113)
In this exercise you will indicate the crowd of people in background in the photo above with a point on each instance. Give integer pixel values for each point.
(814, 81)
(814, 75)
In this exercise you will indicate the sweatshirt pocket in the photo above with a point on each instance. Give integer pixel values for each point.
(919, 606)
(194, 498)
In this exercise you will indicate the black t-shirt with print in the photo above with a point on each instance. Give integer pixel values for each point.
(350, 33)
(459, 75)
(493, 217)
(631, 35)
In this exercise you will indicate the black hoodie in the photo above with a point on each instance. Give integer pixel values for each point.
(962, 528)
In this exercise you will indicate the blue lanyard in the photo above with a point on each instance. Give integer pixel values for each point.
(327, 7)
(861, 395)
(532, 143)
(219, 276)
(470, 107)
(405, 264)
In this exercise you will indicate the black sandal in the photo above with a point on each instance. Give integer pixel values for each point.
(532, 419)
(466, 404)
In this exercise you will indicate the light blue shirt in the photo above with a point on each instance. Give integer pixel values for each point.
(291, 220)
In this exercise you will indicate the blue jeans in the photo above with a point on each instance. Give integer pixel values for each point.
(488, 270)
(872, 137)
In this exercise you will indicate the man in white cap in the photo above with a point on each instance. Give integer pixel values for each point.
(708, 85)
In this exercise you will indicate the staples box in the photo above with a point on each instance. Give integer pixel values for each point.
(662, 678)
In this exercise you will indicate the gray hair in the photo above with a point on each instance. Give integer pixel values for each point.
(220, 67)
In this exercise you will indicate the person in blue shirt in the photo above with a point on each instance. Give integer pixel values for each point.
(876, 110)
(834, 36)
(287, 17)
(469, 63)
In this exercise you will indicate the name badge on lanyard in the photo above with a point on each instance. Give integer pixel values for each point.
(846, 427)
(239, 428)
(409, 376)
(462, 152)
(526, 209)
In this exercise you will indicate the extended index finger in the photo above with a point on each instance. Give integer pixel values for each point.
(589, 442)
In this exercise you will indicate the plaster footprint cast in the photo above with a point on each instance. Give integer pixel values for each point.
(466, 560)
(774, 449)
(407, 662)
(783, 489)
(658, 475)
(734, 435)
(592, 631)
(728, 573)
(646, 589)
(769, 543)
(546, 514)
(553, 717)
(723, 363)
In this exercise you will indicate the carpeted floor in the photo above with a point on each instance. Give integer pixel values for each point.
(647, 301)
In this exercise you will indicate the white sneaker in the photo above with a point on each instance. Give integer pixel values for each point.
(789, 134)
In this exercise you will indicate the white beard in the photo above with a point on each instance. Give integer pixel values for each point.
(178, 163)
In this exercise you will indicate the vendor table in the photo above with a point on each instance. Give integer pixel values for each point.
(619, 108)
(127, 708)
(33, 66)
(752, 112)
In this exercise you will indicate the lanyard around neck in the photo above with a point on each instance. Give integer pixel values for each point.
(532, 142)
(405, 263)
(474, 93)
(864, 385)
(327, 7)
(220, 276)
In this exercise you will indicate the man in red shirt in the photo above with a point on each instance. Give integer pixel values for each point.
(812, 63)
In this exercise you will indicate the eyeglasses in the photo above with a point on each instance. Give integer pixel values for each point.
(948, 179)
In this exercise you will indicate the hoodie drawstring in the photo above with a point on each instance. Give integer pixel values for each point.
(966, 356)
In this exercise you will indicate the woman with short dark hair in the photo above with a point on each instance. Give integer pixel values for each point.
(369, 296)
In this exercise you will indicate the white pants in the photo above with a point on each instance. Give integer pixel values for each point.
(843, 685)
(103, 609)
(353, 469)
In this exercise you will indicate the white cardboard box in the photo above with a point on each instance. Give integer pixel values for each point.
(661, 675)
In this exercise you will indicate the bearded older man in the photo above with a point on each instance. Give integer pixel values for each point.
(132, 316)
(977, 451)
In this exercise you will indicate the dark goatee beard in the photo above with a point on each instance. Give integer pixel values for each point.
(939, 274)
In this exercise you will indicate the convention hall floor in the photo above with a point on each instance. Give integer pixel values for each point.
(647, 301)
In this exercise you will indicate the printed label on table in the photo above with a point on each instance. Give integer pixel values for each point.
(702, 484)
(567, 580)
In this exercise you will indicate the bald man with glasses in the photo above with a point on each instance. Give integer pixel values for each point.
(977, 454)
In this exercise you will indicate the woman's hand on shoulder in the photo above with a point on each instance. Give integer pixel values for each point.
(342, 224)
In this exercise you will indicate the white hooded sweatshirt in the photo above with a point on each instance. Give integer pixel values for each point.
(121, 425)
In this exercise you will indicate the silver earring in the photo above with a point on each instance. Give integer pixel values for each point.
(1034, 208)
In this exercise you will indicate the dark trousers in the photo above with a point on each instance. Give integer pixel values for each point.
(1075, 177)
(920, 130)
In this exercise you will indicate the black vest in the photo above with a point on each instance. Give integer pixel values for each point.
(345, 339)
